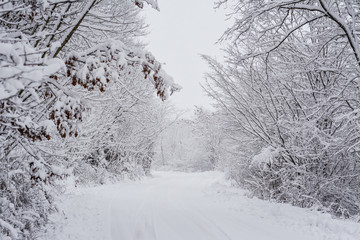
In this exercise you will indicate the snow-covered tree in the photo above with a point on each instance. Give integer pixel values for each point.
(51, 54)
(195, 144)
(291, 92)
(121, 128)
(208, 129)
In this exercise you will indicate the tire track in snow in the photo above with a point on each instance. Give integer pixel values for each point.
(134, 207)
(202, 221)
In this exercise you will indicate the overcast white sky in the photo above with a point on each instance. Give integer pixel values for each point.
(179, 33)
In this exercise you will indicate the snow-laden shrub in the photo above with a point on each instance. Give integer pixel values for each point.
(27, 193)
(103, 166)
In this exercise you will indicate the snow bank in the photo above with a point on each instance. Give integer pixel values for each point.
(315, 224)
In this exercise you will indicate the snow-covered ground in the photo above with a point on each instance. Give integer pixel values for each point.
(187, 206)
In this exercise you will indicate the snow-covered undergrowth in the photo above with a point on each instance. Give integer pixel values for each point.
(318, 224)
(174, 205)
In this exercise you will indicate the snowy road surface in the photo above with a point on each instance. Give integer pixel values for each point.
(187, 206)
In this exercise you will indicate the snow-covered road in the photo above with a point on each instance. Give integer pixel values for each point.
(187, 206)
